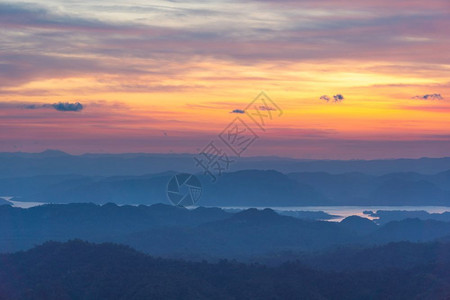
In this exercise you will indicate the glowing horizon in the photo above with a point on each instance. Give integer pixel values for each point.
(165, 77)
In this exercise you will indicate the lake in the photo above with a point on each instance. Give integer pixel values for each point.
(21, 204)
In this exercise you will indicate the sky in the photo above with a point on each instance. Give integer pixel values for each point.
(341, 79)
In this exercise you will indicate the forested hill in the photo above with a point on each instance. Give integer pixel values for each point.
(173, 231)
(79, 270)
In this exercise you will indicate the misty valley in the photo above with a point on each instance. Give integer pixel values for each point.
(68, 231)
(224, 150)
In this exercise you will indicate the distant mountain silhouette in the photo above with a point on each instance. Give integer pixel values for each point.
(390, 189)
(209, 232)
(54, 162)
(22, 228)
(349, 188)
(148, 189)
(247, 188)
(386, 216)
(257, 188)
(406, 192)
(250, 232)
(414, 230)
(242, 188)
(359, 225)
(52, 153)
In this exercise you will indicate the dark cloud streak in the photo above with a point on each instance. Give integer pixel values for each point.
(336, 98)
(66, 106)
(60, 106)
(429, 97)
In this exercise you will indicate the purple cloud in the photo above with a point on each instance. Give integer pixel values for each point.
(238, 111)
(337, 98)
(66, 106)
(60, 106)
(429, 97)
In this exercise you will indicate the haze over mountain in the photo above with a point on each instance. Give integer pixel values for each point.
(203, 232)
(247, 188)
(229, 150)
(53, 162)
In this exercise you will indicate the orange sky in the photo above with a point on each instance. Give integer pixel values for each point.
(165, 77)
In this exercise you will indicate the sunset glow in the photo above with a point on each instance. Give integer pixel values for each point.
(165, 76)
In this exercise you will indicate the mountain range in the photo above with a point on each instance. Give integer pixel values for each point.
(246, 188)
(54, 162)
(81, 270)
(202, 232)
